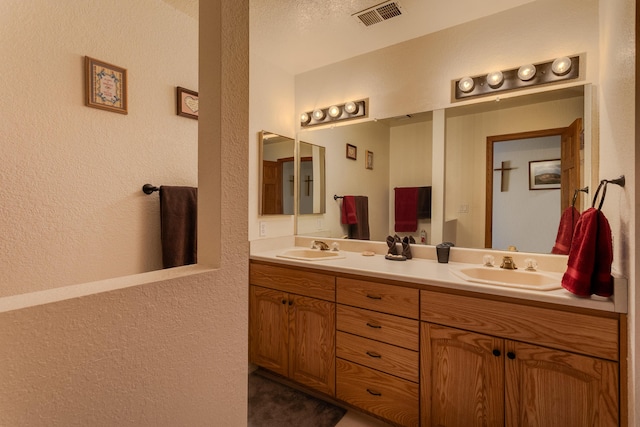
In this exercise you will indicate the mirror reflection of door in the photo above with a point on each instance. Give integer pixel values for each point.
(277, 187)
(531, 222)
(306, 185)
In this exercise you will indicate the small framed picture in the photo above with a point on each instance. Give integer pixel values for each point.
(352, 152)
(187, 101)
(544, 174)
(106, 86)
(368, 160)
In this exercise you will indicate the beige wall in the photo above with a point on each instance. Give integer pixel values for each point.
(164, 348)
(72, 206)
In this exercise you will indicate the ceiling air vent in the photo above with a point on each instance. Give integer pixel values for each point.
(378, 13)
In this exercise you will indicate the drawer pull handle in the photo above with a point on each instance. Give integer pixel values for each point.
(375, 355)
(373, 392)
(373, 326)
(374, 296)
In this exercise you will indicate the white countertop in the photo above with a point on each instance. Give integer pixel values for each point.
(429, 272)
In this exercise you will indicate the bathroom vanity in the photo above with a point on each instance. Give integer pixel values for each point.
(414, 344)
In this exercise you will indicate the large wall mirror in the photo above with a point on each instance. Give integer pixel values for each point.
(277, 174)
(402, 147)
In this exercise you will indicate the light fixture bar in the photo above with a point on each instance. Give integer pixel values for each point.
(335, 113)
(543, 74)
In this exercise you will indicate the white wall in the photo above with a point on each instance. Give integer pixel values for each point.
(72, 206)
(164, 348)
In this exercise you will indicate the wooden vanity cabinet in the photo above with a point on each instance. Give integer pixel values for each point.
(377, 344)
(292, 324)
(475, 371)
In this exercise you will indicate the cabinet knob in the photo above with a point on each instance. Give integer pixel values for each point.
(290, 302)
(496, 353)
(511, 355)
(373, 392)
(284, 301)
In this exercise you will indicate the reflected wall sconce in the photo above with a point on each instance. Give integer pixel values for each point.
(528, 75)
(334, 113)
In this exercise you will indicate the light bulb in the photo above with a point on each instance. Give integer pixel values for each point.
(304, 118)
(561, 66)
(334, 111)
(495, 79)
(318, 114)
(526, 72)
(466, 84)
(351, 107)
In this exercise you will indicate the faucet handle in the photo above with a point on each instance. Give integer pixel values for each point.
(530, 264)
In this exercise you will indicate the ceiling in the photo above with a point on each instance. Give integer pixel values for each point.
(301, 35)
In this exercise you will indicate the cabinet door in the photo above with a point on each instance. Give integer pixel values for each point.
(268, 329)
(461, 379)
(312, 346)
(549, 388)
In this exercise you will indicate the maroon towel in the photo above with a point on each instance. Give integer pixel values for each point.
(590, 257)
(349, 215)
(568, 222)
(406, 209)
(178, 221)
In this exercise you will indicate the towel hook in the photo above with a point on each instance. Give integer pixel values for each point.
(575, 194)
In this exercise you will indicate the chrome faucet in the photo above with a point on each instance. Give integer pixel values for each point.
(319, 244)
(507, 263)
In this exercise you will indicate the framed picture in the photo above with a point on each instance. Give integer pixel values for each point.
(352, 152)
(106, 86)
(368, 160)
(187, 103)
(544, 174)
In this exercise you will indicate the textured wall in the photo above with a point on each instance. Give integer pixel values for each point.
(166, 348)
(71, 206)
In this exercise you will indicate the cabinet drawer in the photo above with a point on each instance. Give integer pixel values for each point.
(378, 326)
(310, 284)
(387, 358)
(390, 299)
(577, 332)
(381, 394)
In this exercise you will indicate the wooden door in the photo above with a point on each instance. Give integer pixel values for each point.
(551, 388)
(271, 188)
(571, 141)
(462, 378)
(312, 346)
(268, 329)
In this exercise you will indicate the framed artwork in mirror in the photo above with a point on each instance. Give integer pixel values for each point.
(368, 160)
(352, 152)
(106, 86)
(187, 103)
(544, 174)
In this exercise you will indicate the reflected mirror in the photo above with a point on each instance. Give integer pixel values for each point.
(403, 157)
(311, 177)
(277, 174)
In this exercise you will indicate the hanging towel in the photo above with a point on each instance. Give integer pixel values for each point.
(178, 221)
(360, 230)
(567, 226)
(406, 209)
(424, 202)
(590, 256)
(348, 214)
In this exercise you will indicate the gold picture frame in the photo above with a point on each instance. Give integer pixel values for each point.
(368, 159)
(106, 86)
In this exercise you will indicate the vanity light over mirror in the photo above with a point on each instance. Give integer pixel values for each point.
(277, 174)
(403, 148)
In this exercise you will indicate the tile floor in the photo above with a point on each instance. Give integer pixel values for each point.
(356, 419)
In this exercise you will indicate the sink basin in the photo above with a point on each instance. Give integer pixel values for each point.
(511, 278)
(310, 254)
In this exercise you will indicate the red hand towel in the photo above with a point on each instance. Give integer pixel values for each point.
(406, 209)
(602, 281)
(568, 222)
(349, 215)
(590, 257)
